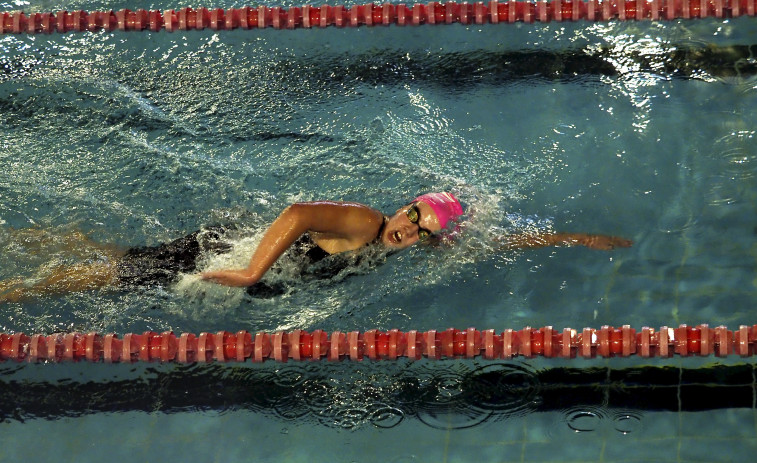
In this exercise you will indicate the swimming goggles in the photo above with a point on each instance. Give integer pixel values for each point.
(414, 216)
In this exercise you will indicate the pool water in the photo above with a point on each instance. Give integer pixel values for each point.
(642, 130)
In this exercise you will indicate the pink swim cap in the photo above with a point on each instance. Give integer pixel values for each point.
(445, 206)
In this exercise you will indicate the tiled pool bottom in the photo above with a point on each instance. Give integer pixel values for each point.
(422, 411)
(242, 435)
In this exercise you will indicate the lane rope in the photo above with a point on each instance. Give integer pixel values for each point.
(224, 346)
(372, 14)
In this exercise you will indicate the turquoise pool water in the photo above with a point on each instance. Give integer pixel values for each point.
(643, 130)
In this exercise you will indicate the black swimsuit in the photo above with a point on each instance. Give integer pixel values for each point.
(161, 265)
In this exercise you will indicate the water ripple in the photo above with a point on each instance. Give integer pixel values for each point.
(584, 419)
(590, 419)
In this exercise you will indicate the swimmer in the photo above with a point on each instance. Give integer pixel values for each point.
(314, 230)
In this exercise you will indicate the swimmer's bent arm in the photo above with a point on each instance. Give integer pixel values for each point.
(539, 240)
(347, 225)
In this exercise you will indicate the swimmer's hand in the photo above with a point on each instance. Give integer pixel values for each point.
(602, 242)
(238, 278)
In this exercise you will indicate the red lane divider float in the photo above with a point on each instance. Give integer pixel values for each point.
(372, 15)
(242, 346)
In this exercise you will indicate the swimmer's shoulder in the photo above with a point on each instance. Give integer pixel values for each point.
(339, 226)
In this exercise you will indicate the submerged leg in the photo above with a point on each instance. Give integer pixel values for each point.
(75, 243)
(62, 280)
(6, 285)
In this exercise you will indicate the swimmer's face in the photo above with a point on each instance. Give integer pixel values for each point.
(410, 224)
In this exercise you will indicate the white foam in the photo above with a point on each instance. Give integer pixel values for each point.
(195, 290)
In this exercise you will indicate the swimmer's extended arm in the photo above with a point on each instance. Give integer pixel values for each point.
(540, 240)
(348, 225)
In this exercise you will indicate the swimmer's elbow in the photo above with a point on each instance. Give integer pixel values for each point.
(295, 210)
(295, 217)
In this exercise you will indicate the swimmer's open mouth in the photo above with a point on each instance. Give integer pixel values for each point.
(397, 236)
